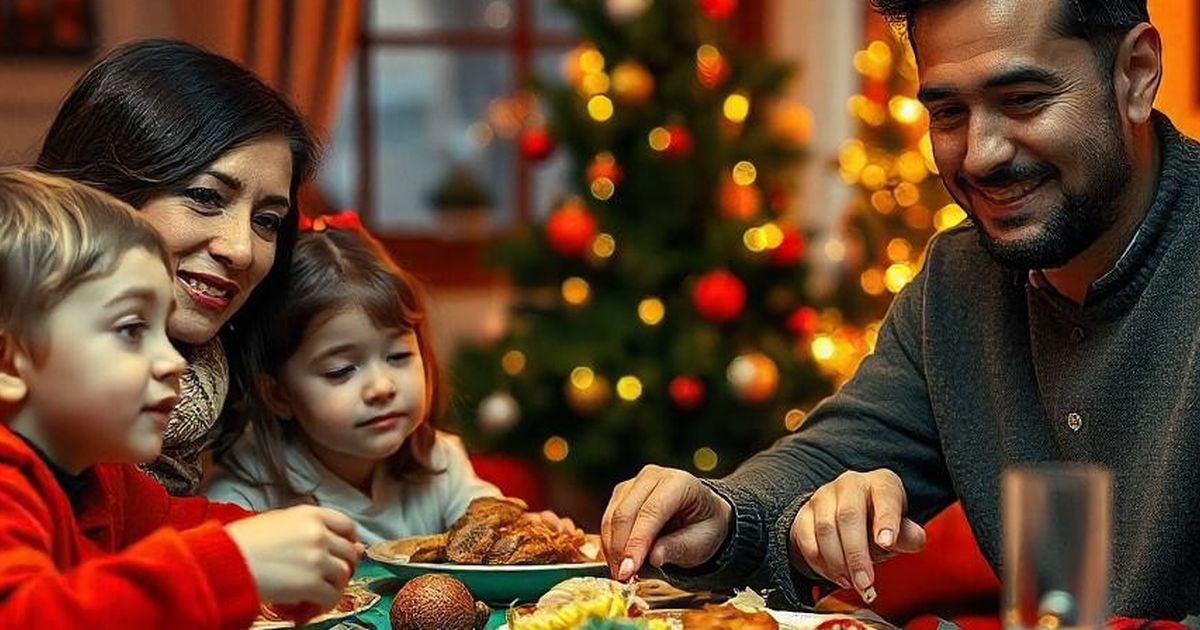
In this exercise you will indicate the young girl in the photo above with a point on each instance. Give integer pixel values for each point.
(344, 411)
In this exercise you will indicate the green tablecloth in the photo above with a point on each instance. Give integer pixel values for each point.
(377, 618)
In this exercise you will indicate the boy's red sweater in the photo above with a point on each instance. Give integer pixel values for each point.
(133, 556)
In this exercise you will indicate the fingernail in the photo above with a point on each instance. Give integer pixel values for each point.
(886, 537)
(861, 581)
(869, 595)
(626, 570)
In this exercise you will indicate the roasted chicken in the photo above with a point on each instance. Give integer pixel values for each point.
(500, 532)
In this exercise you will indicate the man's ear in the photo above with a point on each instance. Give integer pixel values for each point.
(13, 362)
(1138, 72)
(275, 396)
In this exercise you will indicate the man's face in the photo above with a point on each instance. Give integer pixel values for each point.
(1024, 125)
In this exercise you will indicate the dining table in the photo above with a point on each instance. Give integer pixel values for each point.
(379, 579)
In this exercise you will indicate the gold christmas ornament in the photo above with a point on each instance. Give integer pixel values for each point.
(754, 377)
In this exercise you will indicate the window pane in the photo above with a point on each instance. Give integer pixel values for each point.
(427, 104)
(421, 15)
(551, 177)
(549, 17)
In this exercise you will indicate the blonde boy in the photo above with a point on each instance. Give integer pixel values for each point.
(87, 379)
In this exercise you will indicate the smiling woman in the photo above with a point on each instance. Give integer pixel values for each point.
(213, 157)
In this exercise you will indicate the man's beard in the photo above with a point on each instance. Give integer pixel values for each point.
(1074, 223)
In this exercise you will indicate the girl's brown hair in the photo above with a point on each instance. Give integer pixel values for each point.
(331, 270)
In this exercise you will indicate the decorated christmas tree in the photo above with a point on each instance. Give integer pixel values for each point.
(900, 201)
(660, 314)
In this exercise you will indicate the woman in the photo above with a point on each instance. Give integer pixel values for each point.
(214, 158)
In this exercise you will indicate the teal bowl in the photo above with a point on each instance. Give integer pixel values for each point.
(500, 585)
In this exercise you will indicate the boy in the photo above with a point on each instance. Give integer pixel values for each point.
(87, 380)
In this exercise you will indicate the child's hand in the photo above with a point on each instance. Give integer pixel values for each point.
(556, 523)
(299, 555)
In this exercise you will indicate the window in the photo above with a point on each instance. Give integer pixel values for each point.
(424, 98)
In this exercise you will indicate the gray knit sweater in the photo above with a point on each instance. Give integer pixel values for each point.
(976, 368)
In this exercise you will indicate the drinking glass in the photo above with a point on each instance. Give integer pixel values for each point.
(1057, 526)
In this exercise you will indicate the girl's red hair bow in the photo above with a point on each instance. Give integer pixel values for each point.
(346, 219)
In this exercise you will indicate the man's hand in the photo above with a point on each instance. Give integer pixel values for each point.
(849, 524)
(666, 515)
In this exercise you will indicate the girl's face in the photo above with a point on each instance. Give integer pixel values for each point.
(357, 390)
(221, 229)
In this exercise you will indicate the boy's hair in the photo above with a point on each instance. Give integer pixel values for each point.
(56, 234)
(331, 270)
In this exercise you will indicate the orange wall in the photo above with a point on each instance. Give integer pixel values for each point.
(1179, 96)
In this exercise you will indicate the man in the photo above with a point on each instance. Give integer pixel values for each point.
(1060, 325)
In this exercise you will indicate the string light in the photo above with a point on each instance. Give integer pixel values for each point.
(705, 459)
(874, 177)
(513, 362)
(591, 61)
(907, 194)
(576, 291)
(754, 239)
(744, 173)
(772, 234)
(582, 377)
(602, 188)
(736, 107)
(897, 276)
(949, 216)
(871, 281)
(595, 83)
(604, 245)
(898, 250)
(883, 201)
(556, 449)
(906, 110)
(659, 138)
(823, 347)
(600, 108)
(651, 311)
(629, 388)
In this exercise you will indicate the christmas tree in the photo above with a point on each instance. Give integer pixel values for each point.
(660, 314)
(900, 200)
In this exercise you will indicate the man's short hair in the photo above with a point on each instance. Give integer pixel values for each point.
(55, 234)
(1102, 23)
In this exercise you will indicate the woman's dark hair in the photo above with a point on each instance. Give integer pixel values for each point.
(1101, 23)
(332, 270)
(152, 115)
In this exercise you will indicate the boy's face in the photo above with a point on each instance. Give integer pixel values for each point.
(101, 385)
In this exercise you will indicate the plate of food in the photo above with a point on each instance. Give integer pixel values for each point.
(356, 599)
(602, 604)
(498, 552)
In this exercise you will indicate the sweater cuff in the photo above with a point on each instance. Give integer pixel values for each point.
(743, 551)
(793, 588)
(234, 591)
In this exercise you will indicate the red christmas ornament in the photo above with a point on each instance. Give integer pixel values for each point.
(536, 144)
(570, 229)
(803, 321)
(790, 250)
(718, 9)
(679, 143)
(687, 392)
(719, 296)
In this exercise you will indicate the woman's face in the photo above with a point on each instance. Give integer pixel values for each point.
(221, 228)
